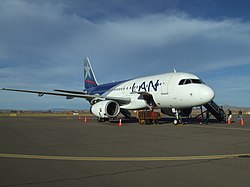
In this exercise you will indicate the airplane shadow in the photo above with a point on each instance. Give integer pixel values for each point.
(166, 121)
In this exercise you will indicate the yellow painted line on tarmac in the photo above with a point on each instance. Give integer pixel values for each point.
(123, 159)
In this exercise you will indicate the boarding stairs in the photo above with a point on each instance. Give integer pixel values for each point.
(216, 111)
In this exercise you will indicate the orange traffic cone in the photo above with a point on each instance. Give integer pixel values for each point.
(85, 119)
(242, 122)
(120, 123)
(228, 121)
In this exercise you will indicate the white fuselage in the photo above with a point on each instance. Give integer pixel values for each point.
(170, 90)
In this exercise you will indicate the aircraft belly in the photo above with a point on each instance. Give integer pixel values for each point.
(175, 101)
(163, 101)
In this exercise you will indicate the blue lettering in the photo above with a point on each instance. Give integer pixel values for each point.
(142, 87)
(154, 86)
(133, 88)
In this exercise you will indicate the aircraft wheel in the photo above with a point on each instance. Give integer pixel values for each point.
(175, 122)
(101, 119)
(148, 121)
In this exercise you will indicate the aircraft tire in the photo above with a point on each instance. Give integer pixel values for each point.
(175, 121)
(101, 119)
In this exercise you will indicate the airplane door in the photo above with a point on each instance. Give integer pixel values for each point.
(165, 84)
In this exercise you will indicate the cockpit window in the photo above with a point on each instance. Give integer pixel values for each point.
(182, 82)
(189, 81)
(196, 81)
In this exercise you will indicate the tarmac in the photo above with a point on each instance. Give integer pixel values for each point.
(66, 151)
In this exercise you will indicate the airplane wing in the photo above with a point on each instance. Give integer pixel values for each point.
(41, 93)
(73, 94)
(119, 100)
(70, 91)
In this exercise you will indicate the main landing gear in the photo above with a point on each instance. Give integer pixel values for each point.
(178, 119)
(99, 119)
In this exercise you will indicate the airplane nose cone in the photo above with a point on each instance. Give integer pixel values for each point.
(206, 94)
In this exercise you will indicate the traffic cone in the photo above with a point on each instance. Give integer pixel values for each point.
(242, 122)
(120, 123)
(85, 119)
(228, 121)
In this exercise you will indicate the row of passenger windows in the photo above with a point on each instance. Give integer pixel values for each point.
(189, 81)
(117, 89)
(129, 88)
(182, 82)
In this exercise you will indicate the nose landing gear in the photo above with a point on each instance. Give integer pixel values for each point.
(178, 119)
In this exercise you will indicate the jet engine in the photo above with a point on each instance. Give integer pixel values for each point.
(105, 109)
(170, 112)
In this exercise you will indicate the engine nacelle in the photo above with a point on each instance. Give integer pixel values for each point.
(183, 112)
(105, 109)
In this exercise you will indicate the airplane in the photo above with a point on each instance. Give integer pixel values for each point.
(175, 94)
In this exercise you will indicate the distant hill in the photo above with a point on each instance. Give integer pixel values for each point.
(43, 110)
(225, 107)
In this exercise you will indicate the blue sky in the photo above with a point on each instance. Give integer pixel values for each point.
(43, 44)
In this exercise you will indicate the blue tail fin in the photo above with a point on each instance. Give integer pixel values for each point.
(89, 76)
